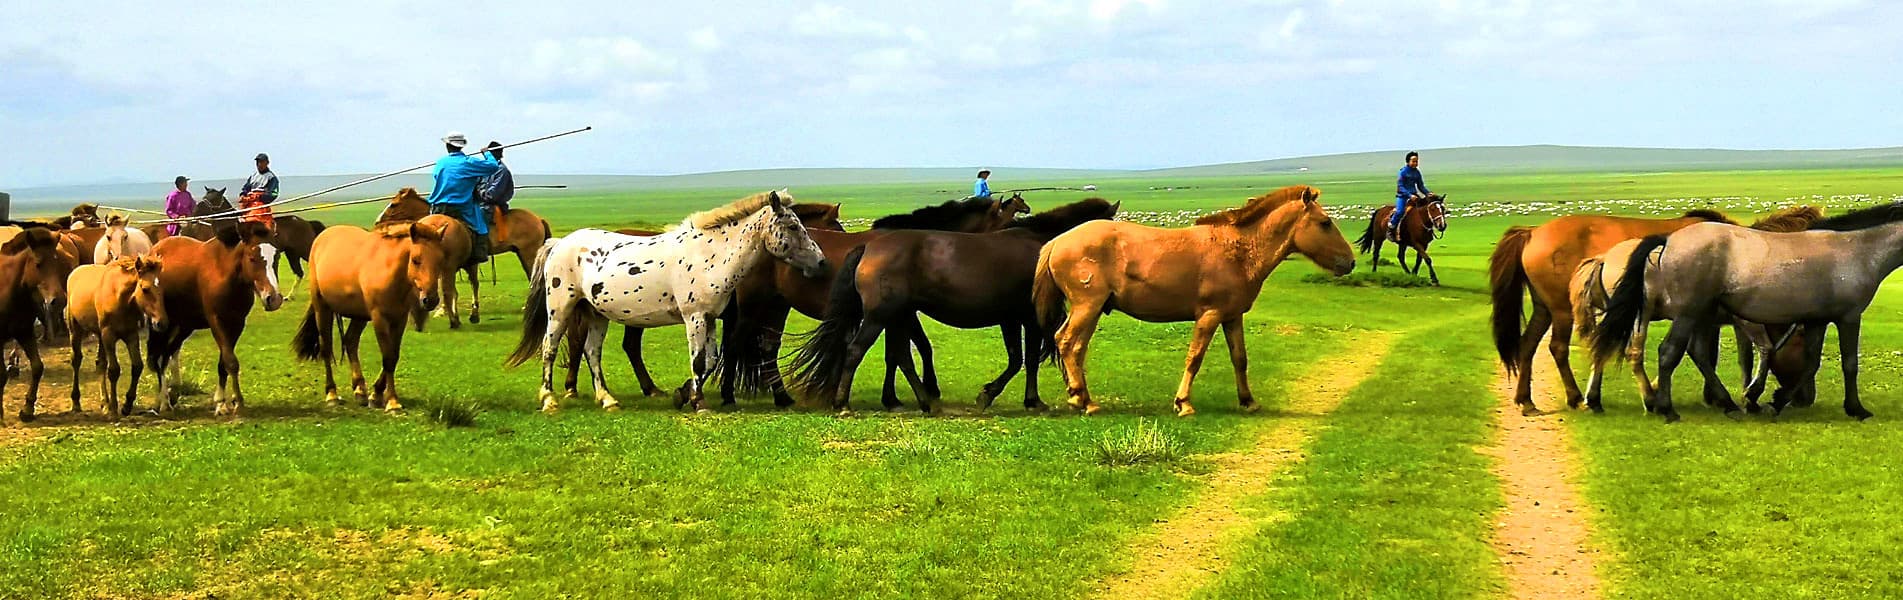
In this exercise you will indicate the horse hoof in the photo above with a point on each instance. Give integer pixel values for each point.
(1530, 410)
(654, 393)
(1861, 416)
(452, 325)
(1036, 406)
(474, 319)
(1078, 402)
(26, 417)
(1249, 406)
(549, 403)
(611, 408)
(1596, 408)
(1671, 417)
(985, 398)
(1185, 410)
(895, 408)
(1734, 414)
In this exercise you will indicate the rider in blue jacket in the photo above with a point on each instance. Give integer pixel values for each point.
(1408, 185)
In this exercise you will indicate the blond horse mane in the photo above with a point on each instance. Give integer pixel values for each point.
(736, 210)
(1796, 218)
(1259, 207)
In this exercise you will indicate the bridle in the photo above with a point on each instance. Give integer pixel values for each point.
(1436, 218)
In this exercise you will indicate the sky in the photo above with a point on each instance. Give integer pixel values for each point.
(114, 91)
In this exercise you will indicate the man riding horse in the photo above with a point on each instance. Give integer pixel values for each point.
(457, 176)
(258, 192)
(1409, 185)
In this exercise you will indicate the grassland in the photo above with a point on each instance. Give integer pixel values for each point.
(1391, 499)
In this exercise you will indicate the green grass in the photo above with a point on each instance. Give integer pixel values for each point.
(301, 499)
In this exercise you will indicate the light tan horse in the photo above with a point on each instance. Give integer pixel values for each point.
(376, 278)
(1542, 260)
(517, 230)
(116, 301)
(1210, 273)
(119, 242)
(456, 243)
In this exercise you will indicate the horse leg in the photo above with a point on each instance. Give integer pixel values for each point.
(1421, 254)
(562, 308)
(572, 383)
(226, 335)
(1198, 344)
(1561, 347)
(448, 284)
(325, 322)
(1671, 351)
(924, 347)
(109, 380)
(700, 346)
(1400, 257)
(1761, 376)
(733, 332)
(1073, 348)
(35, 370)
(1014, 360)
(1536, 326)
(138, 366)
(475, 292)
(1704, 353)
(591, 349)
(1848, 331)
(770, 331)
(898, 355)
(1034, 341)
(869, 329)
(389, 344)
(631, 345)
(1380, 237)
(26, 412)
(75, 360)
(1232, 332)
(353, 337)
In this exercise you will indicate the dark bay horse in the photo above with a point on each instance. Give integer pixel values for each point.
(965, 280)
(211, 285)
(293, 236)
(376, 278)
(27, 280)
(1425, 221)
(1542, 260)
(1210, 274)
(1703, 275)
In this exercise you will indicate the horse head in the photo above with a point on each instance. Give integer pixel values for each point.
(406, 205)
(252, 243)
(212, 202)
(786, 238)
(428, 262)
(1316, 236)
(41, 248)
(143, 271)
(1436, 206)
(819, 216)
(1014, 206)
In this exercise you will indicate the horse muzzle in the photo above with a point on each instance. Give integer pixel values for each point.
(818, 270)
(429, 301)
(273, 301)
(1344, 267)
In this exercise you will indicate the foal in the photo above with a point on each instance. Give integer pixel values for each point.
(115, 300)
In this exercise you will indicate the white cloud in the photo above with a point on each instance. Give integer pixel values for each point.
(704, 39)
(833, 20)
(1109, 10)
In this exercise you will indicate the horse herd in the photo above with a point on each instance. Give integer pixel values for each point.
(1042, 278)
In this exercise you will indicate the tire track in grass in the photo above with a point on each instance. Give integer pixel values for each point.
(1542, 535)
(1183, 552)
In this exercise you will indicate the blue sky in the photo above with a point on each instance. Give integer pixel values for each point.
(116, 91)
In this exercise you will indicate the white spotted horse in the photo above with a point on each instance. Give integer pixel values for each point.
(684, 276)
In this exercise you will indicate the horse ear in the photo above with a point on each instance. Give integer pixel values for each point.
(1310, 194)
(833, 212)
(15, 245)
(773, 199)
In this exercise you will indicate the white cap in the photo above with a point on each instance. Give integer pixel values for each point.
(455, 138)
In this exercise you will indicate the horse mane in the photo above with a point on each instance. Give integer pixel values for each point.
(393, 230)
(733, 211)
(1865, 218)
(407, 194)
(933, 217)
(1709, 215)
(1258, 207)
(1796, 218)
(808, 211)
(1063, 218)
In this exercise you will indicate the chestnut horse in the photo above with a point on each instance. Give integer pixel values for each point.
(965, 280)
(1210, 273)
(27, 279)
(456, 241)
(1541, 260)
(517, 230)
(117, 301)
(376, 278)
(211, 285)
(1425, 221)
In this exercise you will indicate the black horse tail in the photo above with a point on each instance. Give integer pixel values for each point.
(820, 362)
(305, 342)
(744, 344)
(534, 312)
(1049, 300)
(1366, 241)
(1507, 278)
(317, 226)
(1626, 305)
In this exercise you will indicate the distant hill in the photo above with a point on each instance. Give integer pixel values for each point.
(1479, 159)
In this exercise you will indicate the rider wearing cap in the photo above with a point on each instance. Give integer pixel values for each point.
(1408, 186)
(258, 191)
(179, 203)
(457, 175)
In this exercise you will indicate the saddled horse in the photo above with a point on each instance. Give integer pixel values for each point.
(212, 203)
(377, 278)
(119, 242)
(26, 280)
(965, 280)
(456, 242)
(816, 217)
(118, 301)
(1425, 221)
(517, 230)
(1209, 274)
(1596, 278)
(211, 285)
(1703, 275)
(1541, 260)
(685, 276)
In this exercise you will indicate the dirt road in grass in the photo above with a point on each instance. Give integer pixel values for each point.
(1544, 533)
(1183, 552)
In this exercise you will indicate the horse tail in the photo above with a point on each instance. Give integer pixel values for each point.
(305, 343)
(821, 357)
(317, 226)
(1626, 305)
(1588, 281)
(1507, 278)
(743, 351)
(1366, 241)
(534, 312)
(1049, 300)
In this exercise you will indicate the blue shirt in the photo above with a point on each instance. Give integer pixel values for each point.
(982, 189)
(456, 177)
(1409, 183)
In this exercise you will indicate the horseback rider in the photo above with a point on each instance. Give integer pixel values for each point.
(1409, 185)
(982, 188)
(259, 190)
(497, 189)
(179, 203)
(457, 176)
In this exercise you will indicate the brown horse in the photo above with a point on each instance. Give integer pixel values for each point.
(816, 217)
(518, 231)
(965, 280)
(87, 240)
(293, 236)
(1210, 273)
(456, 243)
(375, 278)
(211, 285)
(27, 279)
(1544, 259)
(116, 301)
(212, 203)
(1425, 221)
(751, 340)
